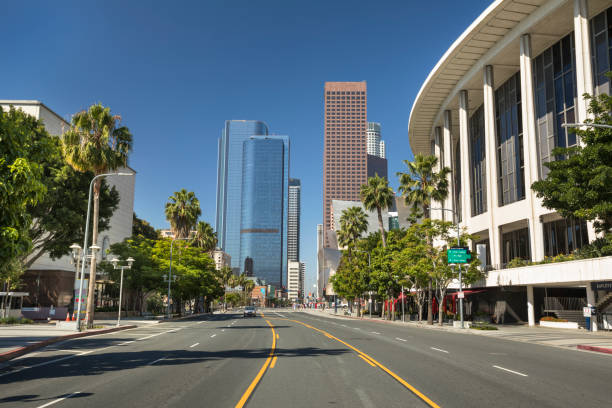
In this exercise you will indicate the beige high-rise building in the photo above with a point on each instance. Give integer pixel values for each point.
(344, 155)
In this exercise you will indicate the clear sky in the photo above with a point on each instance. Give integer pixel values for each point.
(176, 70)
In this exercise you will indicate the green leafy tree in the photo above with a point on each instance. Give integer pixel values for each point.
(24, 144)
(353, 223)
(386, 280)
(352, 278)
(579, 183)
(377, 195)
(224, 277)
(58, 220)
(205, 237)
(421, 186)
(182, 210)
(143, 228)
(96, 142)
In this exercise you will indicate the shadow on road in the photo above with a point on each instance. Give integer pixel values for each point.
(34, 397)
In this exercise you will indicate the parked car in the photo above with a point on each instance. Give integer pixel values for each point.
(249, 311)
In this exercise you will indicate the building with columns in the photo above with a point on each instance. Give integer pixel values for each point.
(492, 110)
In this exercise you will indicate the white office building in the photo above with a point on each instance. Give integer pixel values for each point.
(295, 280)
(491, 110)
(375, 146)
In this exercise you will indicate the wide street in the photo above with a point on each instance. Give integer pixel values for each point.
(287, 358)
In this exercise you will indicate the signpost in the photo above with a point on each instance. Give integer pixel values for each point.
(458, 256)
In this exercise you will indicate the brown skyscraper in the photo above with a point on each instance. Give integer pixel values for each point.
(344, 155)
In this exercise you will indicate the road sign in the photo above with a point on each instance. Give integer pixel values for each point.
(458, 255)
(461, 295)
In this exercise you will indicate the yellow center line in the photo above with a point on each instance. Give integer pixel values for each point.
(249, 391)
(366, 360)
(273, 362)
(362, 355)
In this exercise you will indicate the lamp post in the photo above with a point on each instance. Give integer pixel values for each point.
(115, 263)
(76, 259)
(458, 265)
(93, 259)
(170, 275)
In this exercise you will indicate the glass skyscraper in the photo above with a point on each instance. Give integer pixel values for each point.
(263, 224)
(229, 184)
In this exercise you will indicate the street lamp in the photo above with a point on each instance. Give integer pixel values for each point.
(115, 263)
(93, 259)
(458, 265)
(170, 275)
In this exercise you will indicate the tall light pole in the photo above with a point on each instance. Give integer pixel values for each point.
(170, 275)
(115, 263)
(93, 259)
(458, 265)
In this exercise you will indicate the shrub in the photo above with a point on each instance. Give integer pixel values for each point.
(483, 327)
(517, 263)
(553, 319)
(15, 320)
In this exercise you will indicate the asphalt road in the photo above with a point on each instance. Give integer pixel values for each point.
(289, 359)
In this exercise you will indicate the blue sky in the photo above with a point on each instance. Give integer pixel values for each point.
(177, 70)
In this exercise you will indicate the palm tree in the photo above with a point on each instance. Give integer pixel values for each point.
(205, 237)
(96, 142)
(420, 186)
(225, 276)
(353, 223)
(377, 194)
(182, 210)
(249, 285)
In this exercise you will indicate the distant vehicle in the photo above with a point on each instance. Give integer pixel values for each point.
(249, 311)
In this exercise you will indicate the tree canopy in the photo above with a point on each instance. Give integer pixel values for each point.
(182, 210)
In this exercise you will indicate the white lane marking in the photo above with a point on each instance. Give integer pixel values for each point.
(200, 322)
(59, 399)
(156, 361)
(375, 332)
(437, 349)
(126, 342)
(356, 328)
(193, 345)
(222, 330)
(511, 371)
(153, 335)
(397, 338)
(213, 335)
(343, 325)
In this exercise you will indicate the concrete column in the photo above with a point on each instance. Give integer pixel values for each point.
(584, 71)
(464, 143)
(438, 214)
(530, 307)
(491, 162)
(530, 148)
(448, 160)
(591, 301)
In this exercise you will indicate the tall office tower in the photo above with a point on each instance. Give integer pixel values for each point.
(263, 221)
(229, 185)
(344, 155)
(293, 220)
(376, 146)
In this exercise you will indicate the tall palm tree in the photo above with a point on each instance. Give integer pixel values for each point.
(353, 223)
(182, 210)
(420, 186)
(205, 237)
(96, 142)
(377, 194)
(225, 276)
(249, 285)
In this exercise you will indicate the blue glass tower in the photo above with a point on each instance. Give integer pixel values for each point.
(229, 184)
(263, 227)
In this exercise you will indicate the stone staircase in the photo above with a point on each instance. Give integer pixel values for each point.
(604, 302)
(576, 316)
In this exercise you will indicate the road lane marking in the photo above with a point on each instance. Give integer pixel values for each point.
(126, 342)
(366, 360)
(249, 391)
(397, 338)
(273, 362)
(213, 335)
(200, 322)
(222, 330)
(437, 349)
(375, 332)
(151, 336)
(356, 328)
(343, 325)
(156, 361)
(399, 379)
(58, 400)
(193, 345)
(277, 336)
(511, 371)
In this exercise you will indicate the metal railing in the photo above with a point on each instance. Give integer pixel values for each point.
(564, 303)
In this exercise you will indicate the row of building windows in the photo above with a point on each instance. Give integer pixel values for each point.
(345, 92)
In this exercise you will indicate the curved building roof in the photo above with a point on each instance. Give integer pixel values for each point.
(492, 39)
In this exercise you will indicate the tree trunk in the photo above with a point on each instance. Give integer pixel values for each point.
(429, 304)
(382, 312)
(383, 234)
(392, 308)
(92, 268)
(441, 303)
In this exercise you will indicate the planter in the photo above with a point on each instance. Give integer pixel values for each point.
(457, 324)
(559, 325)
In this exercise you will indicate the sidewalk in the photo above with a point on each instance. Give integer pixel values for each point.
(600, 341)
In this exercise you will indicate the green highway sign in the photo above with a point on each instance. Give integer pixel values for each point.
(458, 255)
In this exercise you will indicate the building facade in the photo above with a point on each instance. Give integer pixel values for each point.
(375, 145)
(221, 259)
(263, 222)
(229, 183)
(344, 155)
(293, 220)
(50, 281)
(295, 280)
(492, 110)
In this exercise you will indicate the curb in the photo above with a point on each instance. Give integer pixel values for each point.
(594, 348)
(9, 355)
(183, 317)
